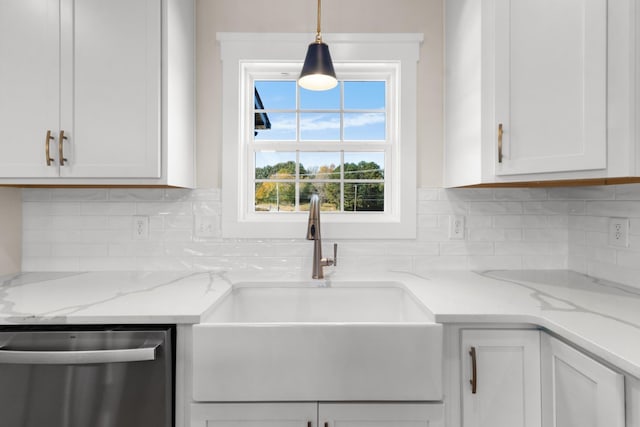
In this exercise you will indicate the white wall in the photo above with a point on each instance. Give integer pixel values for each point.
(338, 16)
(10, 230)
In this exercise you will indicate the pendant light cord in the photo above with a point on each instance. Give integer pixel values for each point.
(318, 34)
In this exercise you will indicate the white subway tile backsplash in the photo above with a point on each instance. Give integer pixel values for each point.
(493, 262)
(108, 208)
(479, 221)
(50, 263)
(487, 234)
(546, 207)
(509, 228)
(531, 248)
(583, 193)
(110, 263)
(43, 208)
(466, 248)
(78, 194)
(467, 194)
(178, 194)
(136, 195)
(79, 249)
(614, 208)
(443, 207)
(164, 208)
(34, 250)
(627, 192)
(136, 249)
(508, 221)
(495, 208)
(426, 264)
(545, 234)
(36, 194)
(538, 262)
(427, 221)
(520, 194)
(207, 207)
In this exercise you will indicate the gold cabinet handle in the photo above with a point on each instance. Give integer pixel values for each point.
(474, 371)
(47, 153)
(61, 148)
(500, 143)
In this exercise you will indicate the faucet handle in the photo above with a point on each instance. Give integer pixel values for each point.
(335, 254)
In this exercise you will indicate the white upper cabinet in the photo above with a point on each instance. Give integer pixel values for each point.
(110, 91)
(29, 86)
(92, 89)
(550, 85)
(539, 90)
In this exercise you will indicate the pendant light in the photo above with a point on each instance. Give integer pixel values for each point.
(317, 72)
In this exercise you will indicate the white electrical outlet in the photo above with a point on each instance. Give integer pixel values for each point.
(456, 227)
(140, 227)
(206, 226)
(619, 232)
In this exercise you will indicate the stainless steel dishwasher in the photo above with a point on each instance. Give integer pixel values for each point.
(112, 377)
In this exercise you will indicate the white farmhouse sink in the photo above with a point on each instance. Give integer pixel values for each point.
(297, 342)
(355, 303)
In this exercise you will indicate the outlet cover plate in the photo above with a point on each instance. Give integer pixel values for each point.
(456, 227)
(619, 232)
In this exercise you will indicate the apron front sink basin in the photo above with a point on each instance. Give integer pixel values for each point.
(297, 342)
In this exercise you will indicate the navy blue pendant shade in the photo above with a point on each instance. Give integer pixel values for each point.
(317, 72)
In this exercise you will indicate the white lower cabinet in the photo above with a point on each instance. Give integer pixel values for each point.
(632, 386)
(500, 378)
(577, 390)
(313, 414)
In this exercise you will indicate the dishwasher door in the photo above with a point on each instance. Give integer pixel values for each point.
(106, 378)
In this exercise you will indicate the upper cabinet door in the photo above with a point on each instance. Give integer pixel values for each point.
(29, 87)
(111, 88)
(550, 85)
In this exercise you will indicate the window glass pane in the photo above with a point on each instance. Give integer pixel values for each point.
(275, 95)
(364, 95)
(329, 193)
(359, 197)
(275, 197)
(364, 126)
(320, 126)
(275, 165)
(364, 165)
(319, 165)
(275, 127)
(320, 100)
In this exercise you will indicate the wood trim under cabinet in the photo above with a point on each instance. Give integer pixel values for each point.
(558, 183)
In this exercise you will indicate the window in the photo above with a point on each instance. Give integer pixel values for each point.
(333, 143)
(353, 145)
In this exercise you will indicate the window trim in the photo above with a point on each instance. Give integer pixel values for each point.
(239, 51)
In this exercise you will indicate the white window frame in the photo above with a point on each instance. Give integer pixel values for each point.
(240, 52)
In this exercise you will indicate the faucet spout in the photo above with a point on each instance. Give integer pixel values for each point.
(313, 228)
(313, 233)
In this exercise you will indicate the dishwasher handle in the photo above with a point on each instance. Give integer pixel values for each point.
(83, 357)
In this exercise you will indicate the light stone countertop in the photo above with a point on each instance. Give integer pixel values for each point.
(601, 317)
(108, 297)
